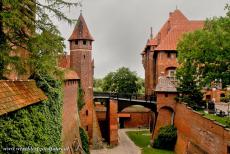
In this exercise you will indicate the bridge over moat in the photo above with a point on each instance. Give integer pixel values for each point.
(114, 104)
(125, 100)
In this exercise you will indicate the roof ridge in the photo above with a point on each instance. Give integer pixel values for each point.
(81, 30)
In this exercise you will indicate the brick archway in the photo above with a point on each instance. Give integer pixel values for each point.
(165, 117)
(137, 116)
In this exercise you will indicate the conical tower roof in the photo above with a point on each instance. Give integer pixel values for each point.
(81, 31)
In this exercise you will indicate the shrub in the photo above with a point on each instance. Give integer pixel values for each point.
(166, 138)
(84, 140)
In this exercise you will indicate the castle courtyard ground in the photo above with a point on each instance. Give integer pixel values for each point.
(126, 146)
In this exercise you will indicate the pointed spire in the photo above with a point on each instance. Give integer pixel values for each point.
(151, 33)
(81, 31)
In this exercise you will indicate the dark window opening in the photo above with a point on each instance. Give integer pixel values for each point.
(76, 42)
(90, 43)
(84, 42)
(222, 95)
(228, 149)
(168, 55)
(86, 112)
(84, 56)
(166, 95)
(87, 128)
(208, 97)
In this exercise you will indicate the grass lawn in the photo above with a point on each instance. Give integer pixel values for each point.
(222, 120)
(142, 139)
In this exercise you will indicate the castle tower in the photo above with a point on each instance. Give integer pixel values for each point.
(160, 53)
(81, 61)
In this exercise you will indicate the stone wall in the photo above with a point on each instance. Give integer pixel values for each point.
(70, 116)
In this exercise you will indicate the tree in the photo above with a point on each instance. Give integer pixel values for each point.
(189, 89)
(204, 56)
(97, 84)
(121, 81)
(26, 24)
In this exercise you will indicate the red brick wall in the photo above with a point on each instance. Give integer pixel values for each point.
(196, 133)
(113, 122)
(164, 62)
(101, 115)
(148, 63)
(155, 66)
(81, 62)
(137, 119)
(70, 117)
(164, 118)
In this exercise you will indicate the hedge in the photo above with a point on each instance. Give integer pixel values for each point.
(166, 138)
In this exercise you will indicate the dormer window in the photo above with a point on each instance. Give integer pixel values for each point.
(84, 42)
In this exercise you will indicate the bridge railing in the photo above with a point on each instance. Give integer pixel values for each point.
(130, 96)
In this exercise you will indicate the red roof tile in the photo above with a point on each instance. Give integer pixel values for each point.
(15, 95)
(173, 30)
(64, 61)
(169, 42)
(71, 75)
(152, 42)
(81, 31)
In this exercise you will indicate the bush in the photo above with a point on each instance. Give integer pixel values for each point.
(84, 140)
(166, 138)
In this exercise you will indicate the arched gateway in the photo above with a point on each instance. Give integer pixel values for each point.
(113, 104)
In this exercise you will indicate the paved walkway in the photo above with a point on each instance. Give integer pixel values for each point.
(222, 106)
(125, 146)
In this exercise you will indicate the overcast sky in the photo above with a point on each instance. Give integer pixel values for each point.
(121, 27)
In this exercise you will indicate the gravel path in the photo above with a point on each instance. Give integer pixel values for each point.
(125, 146)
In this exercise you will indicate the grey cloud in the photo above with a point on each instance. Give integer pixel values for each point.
(121, 27)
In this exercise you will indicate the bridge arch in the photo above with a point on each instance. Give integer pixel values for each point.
(135, 116)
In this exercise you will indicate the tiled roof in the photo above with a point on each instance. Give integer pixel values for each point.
(169, 42)
(71, 75)
(165, 85)
(81, 30)
(152, 42)
(173, 30)
(64, 61)
(15, 95)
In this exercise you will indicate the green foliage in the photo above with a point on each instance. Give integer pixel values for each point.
(222, 120)
(121, 81)
(188, 87)
(166, 138)
(38, 125)
(97, 85)
(80, 98)
(84, 140)
(27, 25)
(142, 139)
(208, 51)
